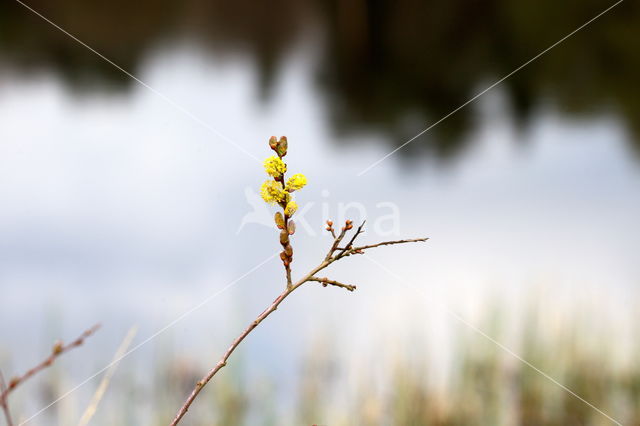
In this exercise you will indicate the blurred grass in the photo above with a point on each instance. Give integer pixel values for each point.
(483, 385)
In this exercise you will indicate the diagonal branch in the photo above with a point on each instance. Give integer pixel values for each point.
(361, 249)
(353, 239)
(58, 349)
(223, 361)
(336, 242)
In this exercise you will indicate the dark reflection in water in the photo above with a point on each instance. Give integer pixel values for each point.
(379, 61)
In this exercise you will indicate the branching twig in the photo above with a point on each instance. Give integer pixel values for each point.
(336, 240)
(311, 276)
(58, 349)
(353, 239)
(361, 249)
(326, 281)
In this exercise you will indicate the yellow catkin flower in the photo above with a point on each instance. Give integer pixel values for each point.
(291, 208)
(296, 182)
(274, 166)
(272, 192)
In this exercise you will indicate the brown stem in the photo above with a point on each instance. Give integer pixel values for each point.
(58, 350)
(223, 361)
(287, 264)
(326, 281)
(3, 401)
(336, 243)
(353, 239)
(355, 250)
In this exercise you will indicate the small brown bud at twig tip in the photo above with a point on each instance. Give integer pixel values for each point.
(273, 142)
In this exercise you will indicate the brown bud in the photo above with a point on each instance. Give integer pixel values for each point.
(273, 142)
(328, 228)
(279, 220)
(283, 256)
(284, 237)
(282, 146)
(285, 262)
(288, 250)
(291, 227)
(349, 226)
(349, 222)
(330, 223)
(57, 347)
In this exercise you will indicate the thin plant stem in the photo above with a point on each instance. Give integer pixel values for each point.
(106, 379)
(57, 351)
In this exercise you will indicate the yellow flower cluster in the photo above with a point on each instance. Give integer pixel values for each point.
(275, 191)
(275, 166)
(272, 192)
(295, 182)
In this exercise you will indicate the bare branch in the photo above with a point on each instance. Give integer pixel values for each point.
(336, 242)
(58, 349)
(353, 239)
(330, 229)
(3, 401)
(326, 281)
(223, 361)
(358, 250)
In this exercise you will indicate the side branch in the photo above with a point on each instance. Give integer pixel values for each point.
(353, 239)
(361, 249)
(336, 242)
(58, 349)
(326, 281)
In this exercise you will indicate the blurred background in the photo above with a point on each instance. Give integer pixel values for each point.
(130, 204)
